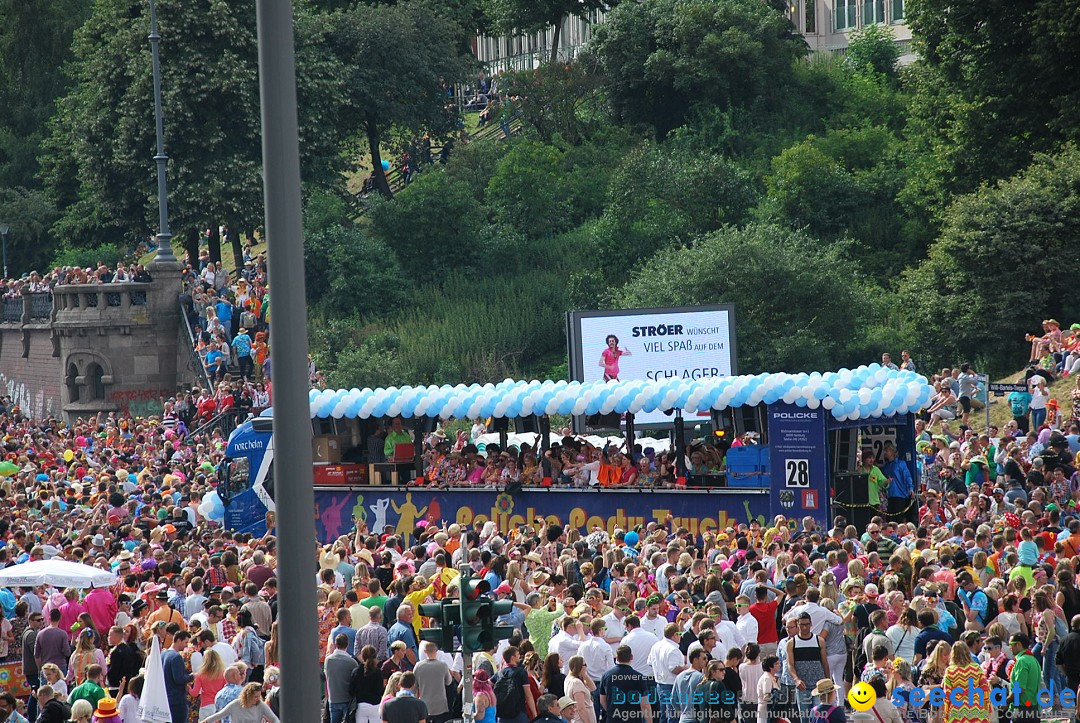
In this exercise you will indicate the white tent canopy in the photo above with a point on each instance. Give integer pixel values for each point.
(60, 573)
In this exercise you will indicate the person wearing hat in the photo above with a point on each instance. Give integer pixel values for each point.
(106, 710)
(827, 710)
(242, 347)
(1026, 676)
(162, 611)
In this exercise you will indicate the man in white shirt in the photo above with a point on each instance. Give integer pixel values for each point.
(567, 641)
(640, 643)
(667, 661)
(818, 615)
(614, 621)
(728, 637)
(195, 602)
(205, 641)
(598, 655)
(673, 552)
(747, 624)
(653, 622)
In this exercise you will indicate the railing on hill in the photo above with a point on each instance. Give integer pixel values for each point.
(495, 129)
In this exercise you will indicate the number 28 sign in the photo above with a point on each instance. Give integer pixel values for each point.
(797, 473)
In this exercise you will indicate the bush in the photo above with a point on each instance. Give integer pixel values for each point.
(431, 225)
(800, 304)
(109, 254)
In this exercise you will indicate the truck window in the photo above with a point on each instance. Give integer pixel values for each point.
(237, 480)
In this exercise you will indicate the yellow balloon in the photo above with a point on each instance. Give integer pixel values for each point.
(69, 455)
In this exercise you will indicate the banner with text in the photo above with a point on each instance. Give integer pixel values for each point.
(799, 460)
(401, 509)
(653, 344)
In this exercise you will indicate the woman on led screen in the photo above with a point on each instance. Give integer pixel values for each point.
(609, 358)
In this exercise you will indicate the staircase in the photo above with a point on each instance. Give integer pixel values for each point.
(492, 130)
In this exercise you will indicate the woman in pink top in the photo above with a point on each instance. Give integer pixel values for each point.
(609, 358)
(209, 680)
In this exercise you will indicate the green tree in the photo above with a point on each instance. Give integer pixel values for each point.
(1005, 259)
(431, 226)
(98, 162)
(552, 99)
(873, 50)
(28, 215)
(35, 44)
(513, 17)
(105, 128)
(525, 191)
(801, 304)
(361, 275)
(661, 60)
(660, 197)
(998, 82)
(845, 184)
(398, 61)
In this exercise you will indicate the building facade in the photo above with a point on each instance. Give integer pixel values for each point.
(826, 25)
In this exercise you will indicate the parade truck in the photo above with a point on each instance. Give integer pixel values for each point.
(807, 433)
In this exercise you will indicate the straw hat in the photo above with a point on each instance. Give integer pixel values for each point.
(329, 560)
(824, 687)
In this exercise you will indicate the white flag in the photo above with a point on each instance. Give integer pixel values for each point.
(154, 703)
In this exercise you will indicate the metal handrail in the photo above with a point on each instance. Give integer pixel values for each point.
(225, 421)
(187, 338)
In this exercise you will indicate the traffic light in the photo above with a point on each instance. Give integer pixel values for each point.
(445, 614)
(473, 606)
(494, 633)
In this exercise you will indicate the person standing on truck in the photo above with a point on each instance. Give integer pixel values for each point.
(395, 436)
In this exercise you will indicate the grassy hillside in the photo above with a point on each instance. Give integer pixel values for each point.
(1060, 390)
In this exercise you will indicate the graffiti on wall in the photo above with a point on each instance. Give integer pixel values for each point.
(139, 402)
(33, 404)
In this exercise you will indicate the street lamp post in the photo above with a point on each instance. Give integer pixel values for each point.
(3, 233)
(164, 253)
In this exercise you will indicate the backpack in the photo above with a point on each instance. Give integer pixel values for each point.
(858, 653)
(992, 609)
(248, 320)
(509, 695)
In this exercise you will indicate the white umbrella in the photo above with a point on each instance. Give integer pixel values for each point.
(154, 701)
(60, 573)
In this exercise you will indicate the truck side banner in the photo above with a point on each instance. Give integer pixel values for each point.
(401, 509)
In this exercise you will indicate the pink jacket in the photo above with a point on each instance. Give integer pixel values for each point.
(101, 604)
(69, 615)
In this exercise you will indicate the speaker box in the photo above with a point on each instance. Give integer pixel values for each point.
(852, 494)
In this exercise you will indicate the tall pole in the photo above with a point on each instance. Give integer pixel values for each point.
(468, 705)
(288, 352)
(3, 233)
(164, 252)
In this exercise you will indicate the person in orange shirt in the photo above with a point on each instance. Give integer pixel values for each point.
(260, 350)
(163, 612)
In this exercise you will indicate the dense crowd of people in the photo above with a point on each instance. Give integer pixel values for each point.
(972, 587)
(100, 273)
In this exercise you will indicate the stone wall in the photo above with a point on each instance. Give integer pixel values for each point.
(88, 349)
(34, 381)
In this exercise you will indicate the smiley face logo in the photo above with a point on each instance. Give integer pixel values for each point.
(862, 697)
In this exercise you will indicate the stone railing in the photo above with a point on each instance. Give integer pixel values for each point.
(28, 308)
(102, 298)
